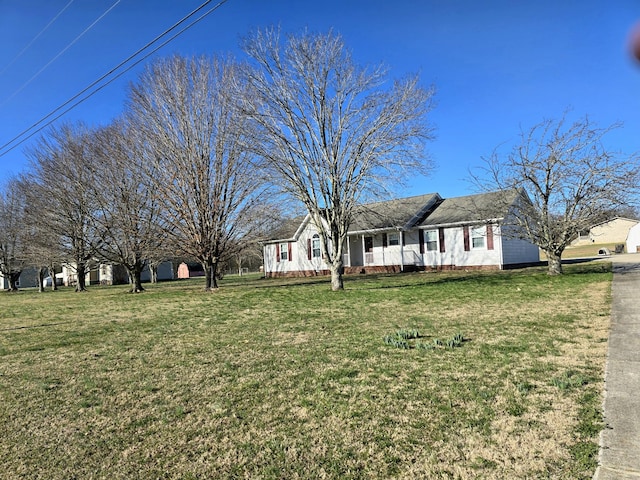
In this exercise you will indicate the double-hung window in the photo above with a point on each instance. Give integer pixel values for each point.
(431, 240)
(477, 237)
(315, 246)
(284, 251)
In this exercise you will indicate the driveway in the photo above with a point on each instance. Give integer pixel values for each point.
(619, 456)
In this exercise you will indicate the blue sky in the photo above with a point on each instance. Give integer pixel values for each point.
(498, 66)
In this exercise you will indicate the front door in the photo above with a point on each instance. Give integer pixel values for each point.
(368, 244)
(368, 250)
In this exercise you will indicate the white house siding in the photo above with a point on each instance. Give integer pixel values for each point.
(299, 263)
(397, 257)
(519, 252)
(455, 255)
(633, 239)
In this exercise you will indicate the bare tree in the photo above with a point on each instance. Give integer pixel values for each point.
(43, 249)
(62, 175)
(333, 133)
(128, 212)
(13, 239)
(186, 111)
(572, 180)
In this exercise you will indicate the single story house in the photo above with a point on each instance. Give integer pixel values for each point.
(615, 230)
(425, 232)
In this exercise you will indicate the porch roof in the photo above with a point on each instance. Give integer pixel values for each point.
(401, 213)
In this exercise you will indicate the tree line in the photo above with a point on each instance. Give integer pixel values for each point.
(205, 154)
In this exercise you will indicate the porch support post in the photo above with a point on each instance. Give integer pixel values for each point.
(348, 262)
(401, 251)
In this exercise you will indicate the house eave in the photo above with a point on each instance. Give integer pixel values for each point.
(373, 231)
(461, 223)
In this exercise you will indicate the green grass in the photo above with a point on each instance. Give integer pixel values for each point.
(286, 379)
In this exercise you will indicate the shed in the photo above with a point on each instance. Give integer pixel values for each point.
(188, 270)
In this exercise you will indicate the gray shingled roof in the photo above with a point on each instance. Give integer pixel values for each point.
(471, 208)
(422, 210)
(286, 230)
(392, 213)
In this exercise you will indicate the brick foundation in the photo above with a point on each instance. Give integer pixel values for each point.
(380, 269)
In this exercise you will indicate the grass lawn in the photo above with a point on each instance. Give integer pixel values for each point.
(286, 379)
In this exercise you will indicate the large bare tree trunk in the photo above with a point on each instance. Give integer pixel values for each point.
(52, 274)
(13, 281)
(337, 270)
(136, 281)
(81, 272)
(555, 263)
(211, 275)
(41, 274)
(135, 277)
(153, 272)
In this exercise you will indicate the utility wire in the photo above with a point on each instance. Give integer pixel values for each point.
(51, 22)
(4, 150)
(73, 42)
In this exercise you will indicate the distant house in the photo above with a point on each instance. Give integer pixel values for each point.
(28, 279)
(408, 234)
(615, 230)
(113, 274)
(633, 239)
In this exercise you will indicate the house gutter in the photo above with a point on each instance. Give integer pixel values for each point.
(459, 224)
(376, 230)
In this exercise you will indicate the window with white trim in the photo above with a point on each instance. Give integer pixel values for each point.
(315, 246)
(431, 240)
(394, 239)
(477, 237)
(284, 251)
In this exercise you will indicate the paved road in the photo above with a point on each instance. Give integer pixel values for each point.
(619, 457)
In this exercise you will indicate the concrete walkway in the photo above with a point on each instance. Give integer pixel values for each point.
(619, 456)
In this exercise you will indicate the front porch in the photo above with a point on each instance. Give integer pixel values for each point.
(381, 252)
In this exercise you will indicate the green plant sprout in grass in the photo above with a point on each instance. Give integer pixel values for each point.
(400, 339)
(569, 379)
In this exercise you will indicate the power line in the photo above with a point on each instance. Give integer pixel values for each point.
(51, 22)
(73, 42)
(118, 75)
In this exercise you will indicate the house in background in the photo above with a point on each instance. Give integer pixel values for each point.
(613, 231)
(28, 279)
(416, 233)
(633, 239)
(114, 274)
